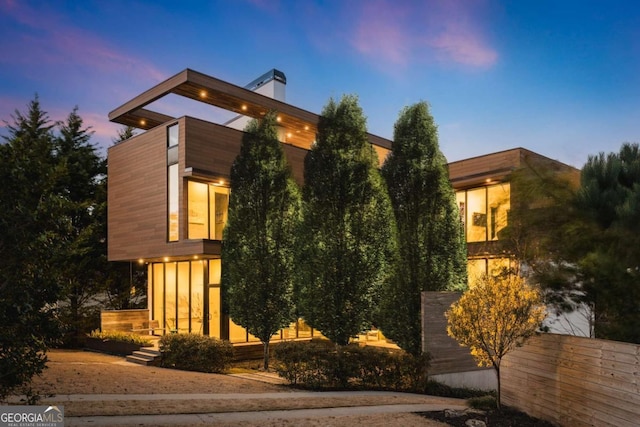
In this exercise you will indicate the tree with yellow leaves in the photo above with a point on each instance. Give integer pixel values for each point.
(494, 317)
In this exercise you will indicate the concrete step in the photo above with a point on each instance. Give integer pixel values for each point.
(149, 351)
(145, 356)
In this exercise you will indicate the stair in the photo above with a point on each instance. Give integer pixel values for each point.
(145, 356)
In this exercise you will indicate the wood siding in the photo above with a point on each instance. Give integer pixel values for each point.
(447, 356)
(137, 196)
(137, 187)
(574, 381)
(476, 171)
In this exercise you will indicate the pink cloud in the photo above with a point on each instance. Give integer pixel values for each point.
(48, 40)
(381, 32)
(441, 30)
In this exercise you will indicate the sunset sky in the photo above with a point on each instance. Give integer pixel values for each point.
(559, 77)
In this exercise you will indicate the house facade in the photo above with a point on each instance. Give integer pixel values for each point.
(168, 193)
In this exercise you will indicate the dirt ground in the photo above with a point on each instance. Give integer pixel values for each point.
(78, 372)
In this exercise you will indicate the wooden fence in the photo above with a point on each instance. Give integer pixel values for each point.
(574, 381)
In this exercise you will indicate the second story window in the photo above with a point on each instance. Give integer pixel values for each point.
(208, 205)
(173, 181)
(484, 211)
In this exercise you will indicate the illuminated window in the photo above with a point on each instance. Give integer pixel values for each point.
(499, 205)
(484, 211)
(173, 203)
(476, 215)
(208, 205)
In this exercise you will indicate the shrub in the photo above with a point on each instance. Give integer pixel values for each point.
(192, 352)
(317, 365)
(485, 402)
(439, 389)
(122, 337)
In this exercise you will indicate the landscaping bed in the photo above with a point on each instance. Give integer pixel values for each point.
(507, 417)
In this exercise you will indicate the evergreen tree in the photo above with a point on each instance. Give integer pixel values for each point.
(348, 232)
(258, 246)
(81, 173)
(32, 222)
(430, 236)
(609, 265)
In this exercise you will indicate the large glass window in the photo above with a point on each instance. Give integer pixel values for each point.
(197, 298)
(170, 308)
(208, 205)
(476, 215)
(485, 211)
(498, 202)
(184, 302)
(215, 272)
(198, 218)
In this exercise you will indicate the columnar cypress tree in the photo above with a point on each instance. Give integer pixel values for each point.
(348, 232)
(258, 247)
(430, 236)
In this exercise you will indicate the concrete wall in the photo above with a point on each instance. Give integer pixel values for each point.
(123, 320)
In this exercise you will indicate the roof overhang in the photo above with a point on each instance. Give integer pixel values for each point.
(300, 126)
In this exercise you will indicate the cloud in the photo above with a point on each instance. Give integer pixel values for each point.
(43, 38)
(402, 33)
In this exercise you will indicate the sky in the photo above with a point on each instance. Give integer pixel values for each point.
(558, 77)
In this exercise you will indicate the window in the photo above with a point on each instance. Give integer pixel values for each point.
(173, 199)
(208, 205)
(172, 135)
(173, 203)
(484, 211)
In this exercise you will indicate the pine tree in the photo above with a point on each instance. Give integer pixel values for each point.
(81, 175)
(430, 236)
(258, 246)
(348, 232)
(31, 226)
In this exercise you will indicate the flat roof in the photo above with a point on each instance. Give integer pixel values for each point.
(300, 125)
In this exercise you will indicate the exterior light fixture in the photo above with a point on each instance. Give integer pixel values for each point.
(278, 119)
(244, 107)
(166, 259)
(143, 122)
(203, 94)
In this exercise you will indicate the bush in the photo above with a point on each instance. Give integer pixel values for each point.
(122, 337)
(486, 402)
(192, 352)
(316, 365)
(439, 389)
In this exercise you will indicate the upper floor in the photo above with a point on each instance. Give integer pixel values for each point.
(168, 187)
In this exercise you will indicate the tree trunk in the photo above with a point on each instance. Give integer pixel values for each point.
(266, 355)
(497, 368)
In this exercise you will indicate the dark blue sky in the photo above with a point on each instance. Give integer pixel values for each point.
(558, 77)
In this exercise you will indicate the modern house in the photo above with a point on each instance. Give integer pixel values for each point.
(168, 193)
(485, 194)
